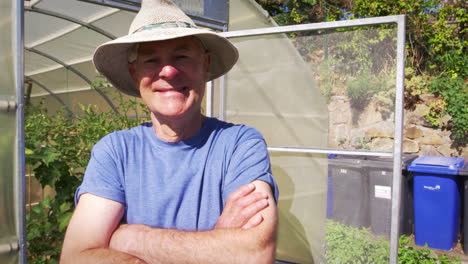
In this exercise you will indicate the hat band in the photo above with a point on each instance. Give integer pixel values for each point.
(168, 24)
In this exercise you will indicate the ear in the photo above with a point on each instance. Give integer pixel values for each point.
(132, 71)
(207, 64)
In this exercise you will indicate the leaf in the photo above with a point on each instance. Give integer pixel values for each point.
(28, 151)
(64, 207)
(63, 221)
(50, 156)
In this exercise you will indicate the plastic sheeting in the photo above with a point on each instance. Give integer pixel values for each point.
(283, 85)
(8, 186)
(272, 89)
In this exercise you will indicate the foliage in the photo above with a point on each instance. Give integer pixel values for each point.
(436, 46)
(407, 254)
(362, 142)
(58, 149)
(415, 85)
(455, 93)
(435, 113)
(346, 245)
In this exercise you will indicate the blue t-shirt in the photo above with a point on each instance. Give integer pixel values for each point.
(181, 185)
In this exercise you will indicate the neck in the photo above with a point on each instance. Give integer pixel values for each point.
(175, 130)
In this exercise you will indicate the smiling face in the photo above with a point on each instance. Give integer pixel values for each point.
(171, 77)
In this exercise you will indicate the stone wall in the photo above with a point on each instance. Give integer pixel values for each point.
(372, 129)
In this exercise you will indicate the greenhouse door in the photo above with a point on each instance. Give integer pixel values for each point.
(318, 92)
(12, 242)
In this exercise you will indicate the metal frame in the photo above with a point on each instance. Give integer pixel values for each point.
(68, 67)
(70, 19)
(54, 95)
(75, 71)
(133, 7)
(398, 132)
(20, 156)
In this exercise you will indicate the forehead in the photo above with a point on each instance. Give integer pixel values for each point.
(178, 44)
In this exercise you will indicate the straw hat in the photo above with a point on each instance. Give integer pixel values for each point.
(159, 20)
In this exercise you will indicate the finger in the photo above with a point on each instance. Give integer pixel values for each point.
(241, 192)
(250, 199)
(247, 213)
(253, 222)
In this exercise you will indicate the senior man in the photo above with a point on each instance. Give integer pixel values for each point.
(183, 188)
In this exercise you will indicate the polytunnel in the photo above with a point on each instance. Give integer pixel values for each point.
(282, 85)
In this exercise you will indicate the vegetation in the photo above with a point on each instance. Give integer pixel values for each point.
(58, 149)
(436, 52)
(345, 244)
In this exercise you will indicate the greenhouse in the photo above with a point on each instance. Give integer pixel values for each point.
(337, 159)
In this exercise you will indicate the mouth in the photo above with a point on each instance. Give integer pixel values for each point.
(182, 89)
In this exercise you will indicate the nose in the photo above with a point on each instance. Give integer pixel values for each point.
(168, 72)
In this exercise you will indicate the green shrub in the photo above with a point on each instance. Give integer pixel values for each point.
(346, 244)
(349, 245)
(58, 149)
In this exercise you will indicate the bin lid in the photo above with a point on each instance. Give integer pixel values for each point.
(387, 162)
(437, 164)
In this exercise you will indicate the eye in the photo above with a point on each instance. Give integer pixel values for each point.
(150, 60)
(181, 57)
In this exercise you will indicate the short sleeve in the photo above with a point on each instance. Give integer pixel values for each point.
(249, 162)
(103, 176)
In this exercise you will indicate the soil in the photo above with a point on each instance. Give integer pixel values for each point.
(455, 252)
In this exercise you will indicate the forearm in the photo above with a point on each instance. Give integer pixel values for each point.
(99, 256)
(216, 246)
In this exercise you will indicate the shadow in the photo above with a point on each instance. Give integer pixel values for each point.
(293, 245)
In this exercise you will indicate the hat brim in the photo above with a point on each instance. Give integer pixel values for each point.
(111, 58)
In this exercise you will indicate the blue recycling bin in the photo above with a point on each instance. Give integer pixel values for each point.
(436, 200)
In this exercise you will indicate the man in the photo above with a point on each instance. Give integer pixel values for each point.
(190, 189)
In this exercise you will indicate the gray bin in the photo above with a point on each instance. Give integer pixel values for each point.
(380, 173)
(464, 214)
(349, 185)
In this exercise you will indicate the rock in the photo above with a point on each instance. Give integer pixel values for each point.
(381, 144)
(431, 139)
(341, 132)
(445, 120)
(412, 132)
(410, 146)
(382, 129)
(465, 153)
(427, 98)
(416, 117)
(369, 116)
(445, 150)
(428, 150)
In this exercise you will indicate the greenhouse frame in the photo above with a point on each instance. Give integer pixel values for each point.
(278, 86)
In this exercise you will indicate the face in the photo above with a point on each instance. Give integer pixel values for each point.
(171, 76)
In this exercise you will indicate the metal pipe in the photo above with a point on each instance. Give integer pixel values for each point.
(71, 19)
(75, 71)
(20, 145)
(7, 105)
(314, 26)
(200, 20)
(51, 93)
(398, 140)
(222, 98)
(9, 246)
(330, 151)
(209, 99)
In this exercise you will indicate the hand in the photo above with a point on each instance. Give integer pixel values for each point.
(242, 208)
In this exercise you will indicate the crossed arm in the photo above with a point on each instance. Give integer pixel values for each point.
(244, 233)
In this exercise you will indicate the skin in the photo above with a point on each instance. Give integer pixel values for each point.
(171, 76)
